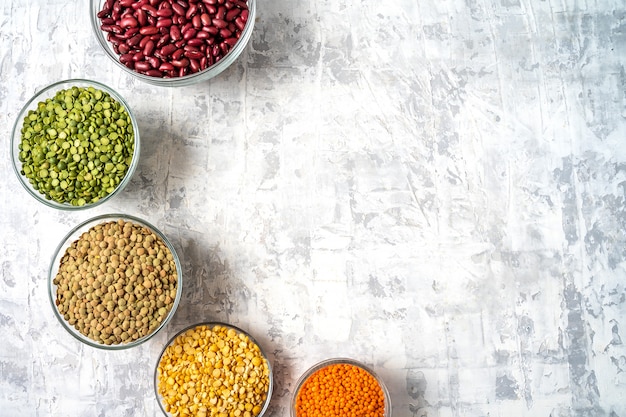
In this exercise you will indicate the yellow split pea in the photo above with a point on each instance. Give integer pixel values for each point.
(213, 371)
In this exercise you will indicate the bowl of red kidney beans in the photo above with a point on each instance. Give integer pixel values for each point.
(173, 42)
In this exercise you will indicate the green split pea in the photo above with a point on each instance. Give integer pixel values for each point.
(77, 146)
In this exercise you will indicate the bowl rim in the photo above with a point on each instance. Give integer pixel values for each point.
(335, 361)
(189, 79)
(70, 237)
(212, 323)
(41, 94)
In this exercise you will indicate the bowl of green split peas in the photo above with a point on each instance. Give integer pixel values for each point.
(75, 144)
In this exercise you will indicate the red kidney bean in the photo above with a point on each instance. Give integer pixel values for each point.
(129, 33)
(180, 63)
(126, 3)
(115, 41)
(211, 30)
(231, 41)
(117, 8)
(168, 49)
(124, 58)
(165, 12)
(205, 19)
(107, 21)
(123, 48)
(189, 34)
(178, 9)
(219, 23)
(154, 61)
(210, 1)
(142, 17)
(211, 10)
(134, 41)
(240, 23)
(138, 56)
(164, 23)
(142, 66)
(186, 27)
(154, 2)
(221, 12)
(191, 11)
(139, 4)
(180, 43)
(194, 65)
(197, 22)
(150, 10)
(148, 49)
(225, 33)
(143, 42)
(175, 33)
(201, 36)
(177, 55)
(194, 54)
(244, 15)
(154, 73)
(195, 42)
(232, 14)
(166, 66)
(149, 30)
(163, 40)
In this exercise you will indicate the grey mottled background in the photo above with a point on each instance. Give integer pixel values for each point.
(436, 188)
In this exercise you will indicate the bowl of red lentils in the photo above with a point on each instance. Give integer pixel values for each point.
(114, 281)
(173, 42)
(213, 369)
(340, 387)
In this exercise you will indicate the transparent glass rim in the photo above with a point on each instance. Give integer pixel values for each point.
(335, 361)
(73, 235)
(210, 72)
(47, 92)
(212, 324)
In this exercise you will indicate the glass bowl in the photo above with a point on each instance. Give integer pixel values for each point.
(205, 347)
(98, 6)
(340, 361)
(114, 285)
(80, 148)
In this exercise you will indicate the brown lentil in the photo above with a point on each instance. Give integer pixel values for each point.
(213, 371)
(116, 283)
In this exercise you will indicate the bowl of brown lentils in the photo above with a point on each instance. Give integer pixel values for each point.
(213, 369)
(173, 42)
(75, 144)
(114, 281)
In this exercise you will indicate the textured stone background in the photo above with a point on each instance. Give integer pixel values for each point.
(433, 187)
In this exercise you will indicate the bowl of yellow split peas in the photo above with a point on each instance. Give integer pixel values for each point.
(213, 369)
